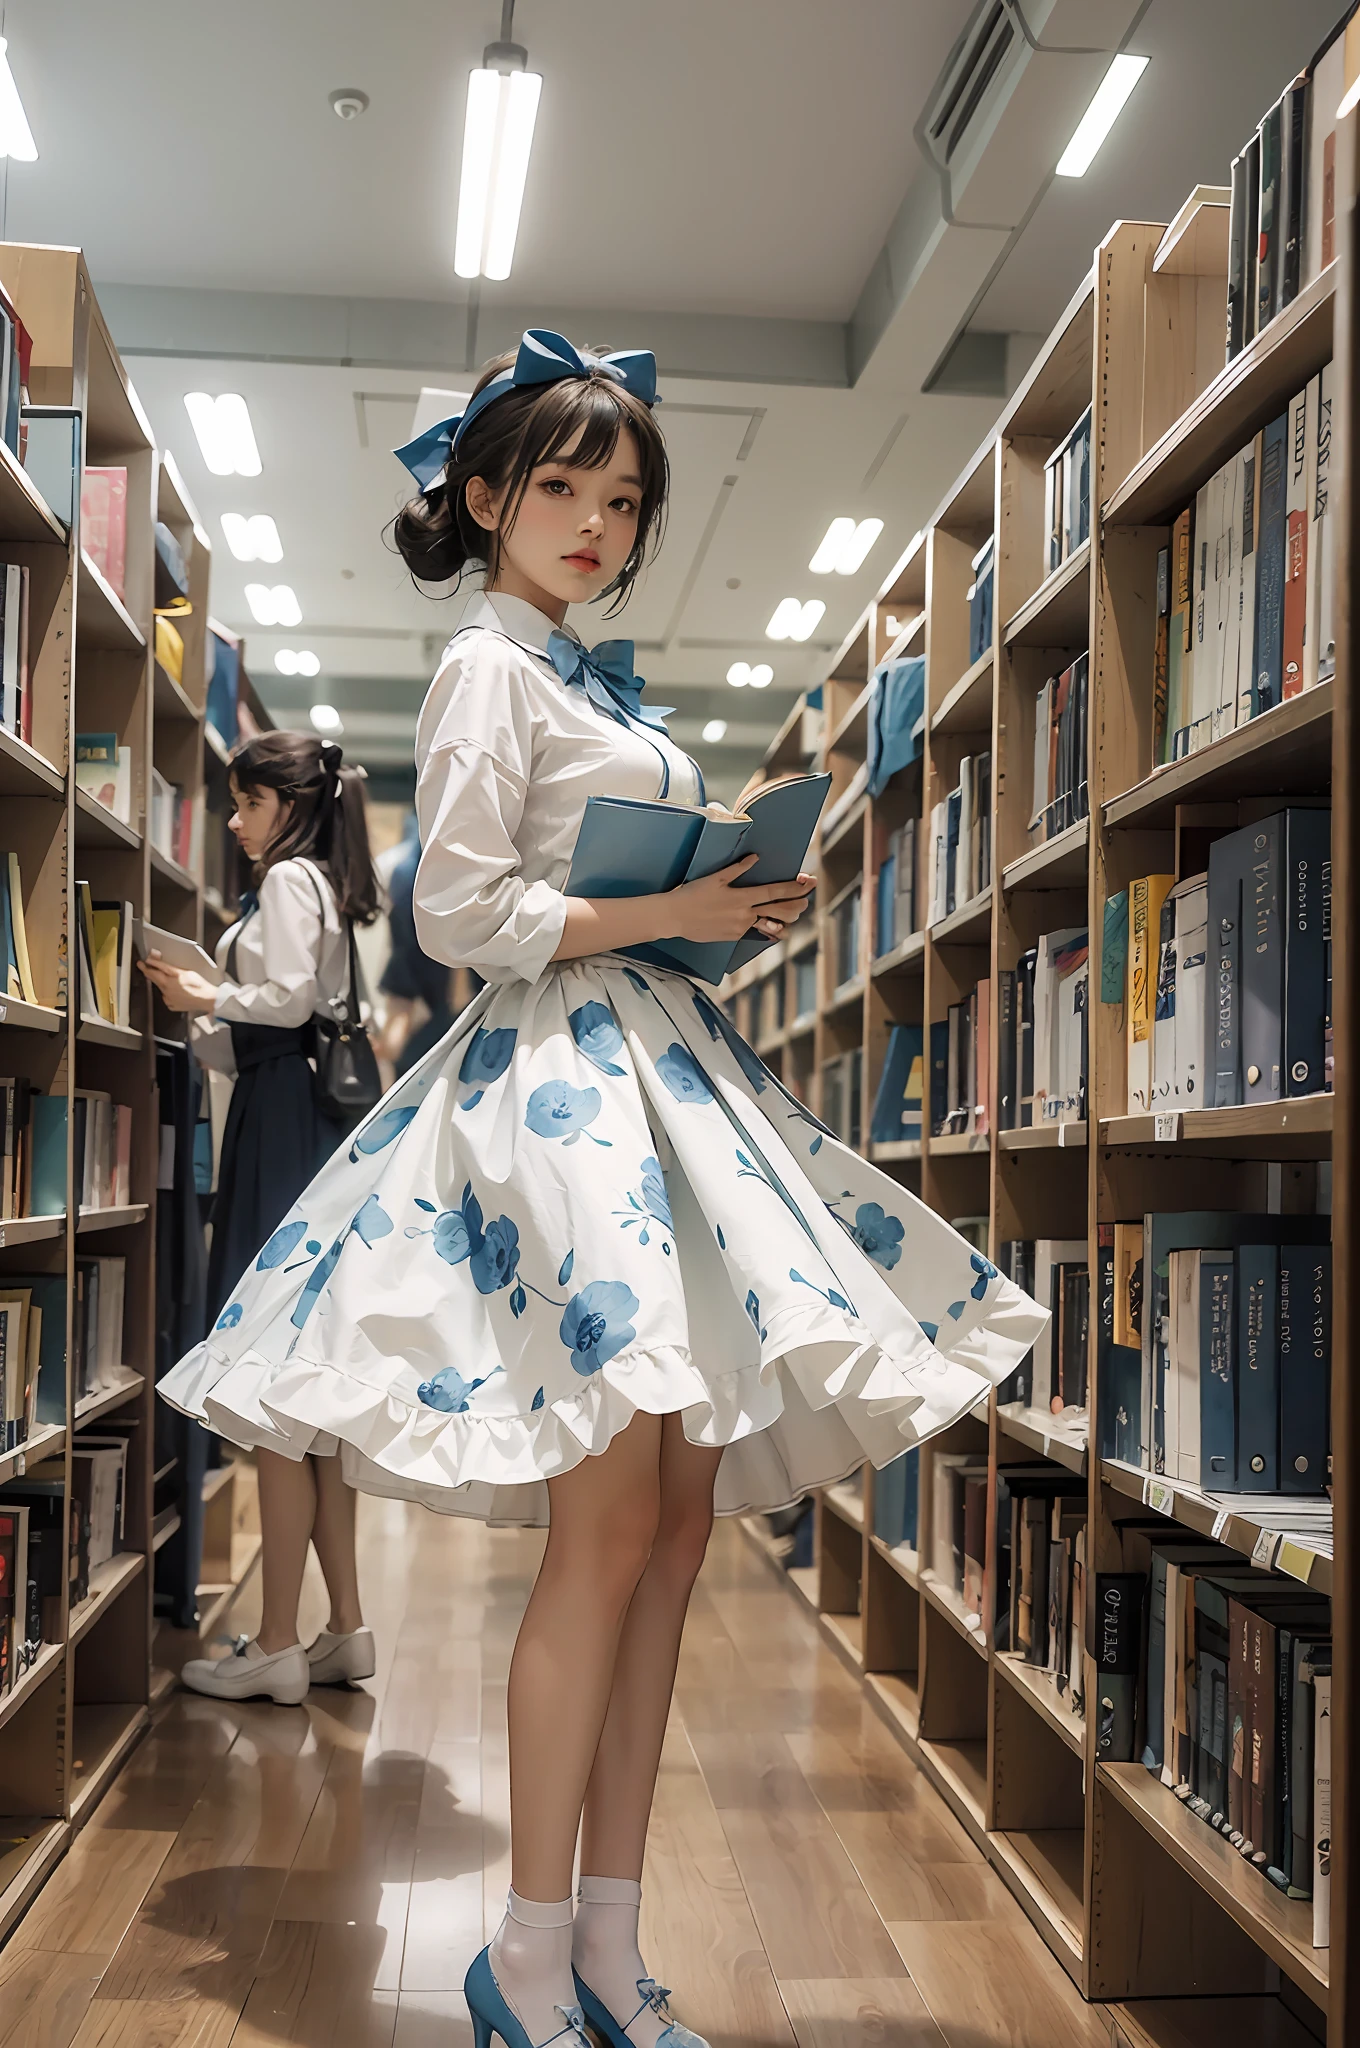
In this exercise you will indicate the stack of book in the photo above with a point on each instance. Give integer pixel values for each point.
(770, 1011)
(841, 1095)
(981, 594)
(1245, 588)
(1067, 495)
(960, 1066)
(1059, 791)
(97, 1324)
(1216, 1349)
(98, 1490)
(176, 822)
(104, 772)
(897, 1499)
(105, 959)
(16, 972)
(898, 1102)
(1282, 214)
(845, 938)
(1043, 1037)
(102, 1151)
(958, 1527)
(34, 1557)
(895, 888)
(961, 839)
(16, 692)
(1218, 1677)
(1062, 1285)
(20, 1357)
(103, 523)
(1041, 1572)
(805, 983)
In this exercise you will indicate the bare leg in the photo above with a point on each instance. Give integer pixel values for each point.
(333, 1539)
(287, 1513)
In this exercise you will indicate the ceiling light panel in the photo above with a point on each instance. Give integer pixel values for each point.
(252, 539)
(795, 621)
(845, 546)
(224, 432)
(1104, 110)
(498, 135)
(16, 137)
(297, 661)
(273, 605)
(715, 730)
(325, 718)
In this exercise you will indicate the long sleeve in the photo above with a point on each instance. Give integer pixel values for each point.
(472, 905)
(291, 937)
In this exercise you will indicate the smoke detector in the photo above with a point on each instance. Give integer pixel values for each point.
(348, 102)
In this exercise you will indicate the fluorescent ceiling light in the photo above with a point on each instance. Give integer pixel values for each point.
(253, 539)
(834, 541)
(741, 675)
(715, 730)
(16, 137)
(498, 134)
(224, 432)
(795, 621)
(325, 718)
(300, 661)
(273, 606)
(1104, 110)
(762, 675)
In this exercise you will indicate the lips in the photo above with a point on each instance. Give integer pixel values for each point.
(583, 559)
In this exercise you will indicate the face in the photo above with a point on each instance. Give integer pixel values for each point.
(260, 815)
(573, 532)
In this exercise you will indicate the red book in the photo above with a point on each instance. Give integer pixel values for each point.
(103, 523)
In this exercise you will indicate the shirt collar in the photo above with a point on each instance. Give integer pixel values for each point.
(521, 621)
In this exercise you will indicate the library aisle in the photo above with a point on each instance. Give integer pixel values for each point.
(324, 1875)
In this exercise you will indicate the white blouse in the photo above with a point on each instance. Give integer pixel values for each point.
(291, 957)
(506, 756)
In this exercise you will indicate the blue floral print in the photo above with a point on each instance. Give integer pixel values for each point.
(285, 1239)
(827, 1293)
(316, 1280)
(372, 1222)
(683, 1075)
(986, 1273)
(448, 1391)
(488, 1056)
(595, 1324)
(753, 1311)
(650, 1204)
(596, 1030)
(494, 1259)
(230, 1316)
(557, 1110)
(878, 1234)
(387, 1126)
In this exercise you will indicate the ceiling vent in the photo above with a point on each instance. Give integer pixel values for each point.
(968, 88)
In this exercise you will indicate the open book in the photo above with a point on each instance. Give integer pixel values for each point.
(628, 846)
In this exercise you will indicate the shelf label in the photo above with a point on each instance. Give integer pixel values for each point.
(1263, 1551)
(1294, 1559)
(4, 1010)
(1159, 1496)
(1166, 1126)
(1063, 1130)
(1221, 1521)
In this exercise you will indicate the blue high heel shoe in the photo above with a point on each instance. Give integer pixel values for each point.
(492, 2018)
(653, 1998)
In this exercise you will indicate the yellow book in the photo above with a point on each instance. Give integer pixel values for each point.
(1146, 897)
(20, 935)
(169, 648)
(106, 921)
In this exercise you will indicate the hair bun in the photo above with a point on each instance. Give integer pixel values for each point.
(332, 756)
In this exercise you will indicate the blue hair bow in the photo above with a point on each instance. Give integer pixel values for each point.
(544, 358)
(606, 676)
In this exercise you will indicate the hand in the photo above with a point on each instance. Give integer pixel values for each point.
(717, 908)
(180, 987)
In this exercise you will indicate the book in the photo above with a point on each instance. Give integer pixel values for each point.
(1323, 541)
(1258, 1367)
(1268, 234)
(1304, 1357)
(104, 772)
(1247, 564)
(17, 967)
(103, 523)
(897, 1105)
(1217, 1389)
(1322, 1809)
(1307, 864)
(1222, 1040)
(1237, 257)
(178, 951)
(630, 847)
(1191, 947)
(1180, 643)
(1251, 241)
(1269, 644)
(1146, 895)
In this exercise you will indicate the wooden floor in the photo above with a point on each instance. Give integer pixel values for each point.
(324, 1875)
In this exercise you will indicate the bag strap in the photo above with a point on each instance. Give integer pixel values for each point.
(348, 1003)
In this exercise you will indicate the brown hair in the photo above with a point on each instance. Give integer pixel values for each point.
(328, 822)
(437, 536)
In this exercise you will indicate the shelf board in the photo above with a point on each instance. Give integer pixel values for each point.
(1247, 392)
(956, 1144)
(1290, 1533)
(1064, 1443)
(102, 619)
(844, 826)
(846, 1503)
(845, 1633)
(960, 1771)
(1058, 863)
(898, 1699)
(119, 1037)
(23, 514)
(852, 731)
(1059, 613)
(39, 1671)
(170, 871)
(1281, 1927)
(97, 826)
(893, 1150)
(102, 1399)
(1046, 1865)
(21, 1016)
(172, 700)
(23, 770)
(844, 997)
(1286, 751)
(1046, 1137)
(47, 1441)
(101, 1739)
(901, 1557)
(969, 925)
(908, 956)
(164, 1526)
(968, 706)
(1298, 1128)
(214, 1602)
(24, 1868)
(30, 1230)
(107, 1581)
(950, 1604)
(112, 1219)
(1206, 2023)
(801, 1027)
(218, 1477)
(1040, 1689)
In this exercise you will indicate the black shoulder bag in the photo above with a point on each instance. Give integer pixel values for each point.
(348, 1083)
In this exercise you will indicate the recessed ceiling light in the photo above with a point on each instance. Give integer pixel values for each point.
(224, 432)
(325, 718)
(253, 539)
(498, 134)
(297, 661)
(16, 137)
(844, 546)
(761, 676)
(274, 605)
(1104, 110)
(795, 621)
(739, 675)
(715, 730)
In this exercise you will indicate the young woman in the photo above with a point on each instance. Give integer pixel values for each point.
(588, 1261)
(300, 821)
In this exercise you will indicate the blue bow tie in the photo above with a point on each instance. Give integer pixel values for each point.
(250, 902)
(544, 358)
(606, 676)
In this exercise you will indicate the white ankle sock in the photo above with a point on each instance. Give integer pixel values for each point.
(531, 1962)
(605, 1951)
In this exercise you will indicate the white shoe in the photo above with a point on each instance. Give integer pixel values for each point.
(342, 1660)
(248, 1674)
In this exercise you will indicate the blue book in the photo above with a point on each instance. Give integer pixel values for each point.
(897, 1106)
(1258, 1368)
(1309, 850)
(628, 846)
(1217, 1391)
(47, 1124)
(953, 818)
(885, 921)
(52, 458)
(1269, 643)
(1305, 1361)
(939, 1076)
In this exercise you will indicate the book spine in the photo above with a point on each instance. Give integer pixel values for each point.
(1006, 1049)
(1155, 1694)
(1221, 1062)
(1258, 1369)
(1251, 243)
(1305, 1357)
(1247, 557)
(1139, 1042)
(1312, 398)
(1237, 227)
(1239, 1733)
(1218, 1411)
(1270, 566)
(1307, 858)
(1295, 548)
(1299, 1867)
(1293, 140)
(1261, 1678)
(1324, 535)
(1263, 959)
(1322, 1810)
(1268, 243)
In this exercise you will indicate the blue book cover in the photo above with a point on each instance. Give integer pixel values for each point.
(1217, 1391)
(954, 813)
(47, 1124)
(1269, 643)
(1258, 1368)
(1223, 971)
(223, 685)
(939, 1076)
(897, 1109)
(1308, 840)
(885, 920)
(1305, 1360)
(630, 847)
(1262, 956)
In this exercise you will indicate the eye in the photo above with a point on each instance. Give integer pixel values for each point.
(558, 485)
(627, 506)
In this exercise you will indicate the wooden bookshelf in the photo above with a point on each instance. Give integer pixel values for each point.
(1145, 1906)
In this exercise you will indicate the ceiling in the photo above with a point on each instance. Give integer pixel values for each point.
(718, 180)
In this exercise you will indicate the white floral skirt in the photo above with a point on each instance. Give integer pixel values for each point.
(590, 1199)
